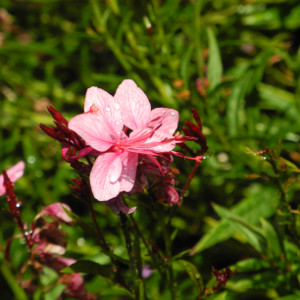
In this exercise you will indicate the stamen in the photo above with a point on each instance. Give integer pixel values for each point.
(157, 164)
(179, 154)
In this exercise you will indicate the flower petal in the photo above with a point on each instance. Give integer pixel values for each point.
(102, 103)
(14, 173)
(106, 167)
(117, 206)
(56, 212)
(94, 130)
(127, 178)
(165, 119)
(134, 104)
(166, 122)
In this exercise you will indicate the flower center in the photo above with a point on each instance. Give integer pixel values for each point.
(118, 149)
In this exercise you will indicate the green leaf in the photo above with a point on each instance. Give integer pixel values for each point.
(290, 297)
(185, 64)
(55, 292)
(251, 265)
(12, 282)
(194, 275)
(271, 236)
(222, 232)
(214, 67)
(247, 78)
(261, 280)
(279, 99)
(268, 19)
(251, 233)
(141, 290)
(220, 296)
(261, 202)
(48, 276)
(90, 267)
(116, 290)
(292, 21)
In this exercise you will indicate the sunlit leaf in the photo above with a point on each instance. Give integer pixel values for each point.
(194, 275)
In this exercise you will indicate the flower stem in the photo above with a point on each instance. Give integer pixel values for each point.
(168, 246)
(133, 257)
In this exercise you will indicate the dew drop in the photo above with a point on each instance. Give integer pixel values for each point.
(163, 112)
(117, 106)
(80, 242)
(173, 114)
(31, 159)
(114, 177)
(107, 109)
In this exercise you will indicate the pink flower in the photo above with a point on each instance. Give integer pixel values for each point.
(56, 212)
(14, 173)
(103, 126)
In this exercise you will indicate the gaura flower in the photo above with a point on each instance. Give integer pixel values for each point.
(14, 173)
(104, 126)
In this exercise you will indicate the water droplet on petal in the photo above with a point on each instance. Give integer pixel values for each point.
(163, 112)
(107, 109)
(114, 177)
(117, 106)
(173, 114)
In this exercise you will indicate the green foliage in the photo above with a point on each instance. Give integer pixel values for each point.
(237, 62)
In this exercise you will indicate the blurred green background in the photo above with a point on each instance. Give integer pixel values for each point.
(237, 62)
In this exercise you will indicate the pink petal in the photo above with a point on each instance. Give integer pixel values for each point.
(127, 179)
(135, 106)
(95, 96)
(66, 260)
(14, 173)
(146, 271)
(104, 177)
(57, 212)
(94, 130)
(117, 206)
(77, 284)
(172, 195)
(165, 119)
(166, 122)
(104, 104)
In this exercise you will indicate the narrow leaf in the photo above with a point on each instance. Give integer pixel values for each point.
(214, 68)
(194, 275)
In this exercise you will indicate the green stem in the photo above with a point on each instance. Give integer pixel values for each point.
(106, 249)
(150, 253)
(131, 254)
(284, 203)
(168, 245)
(11, 281)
